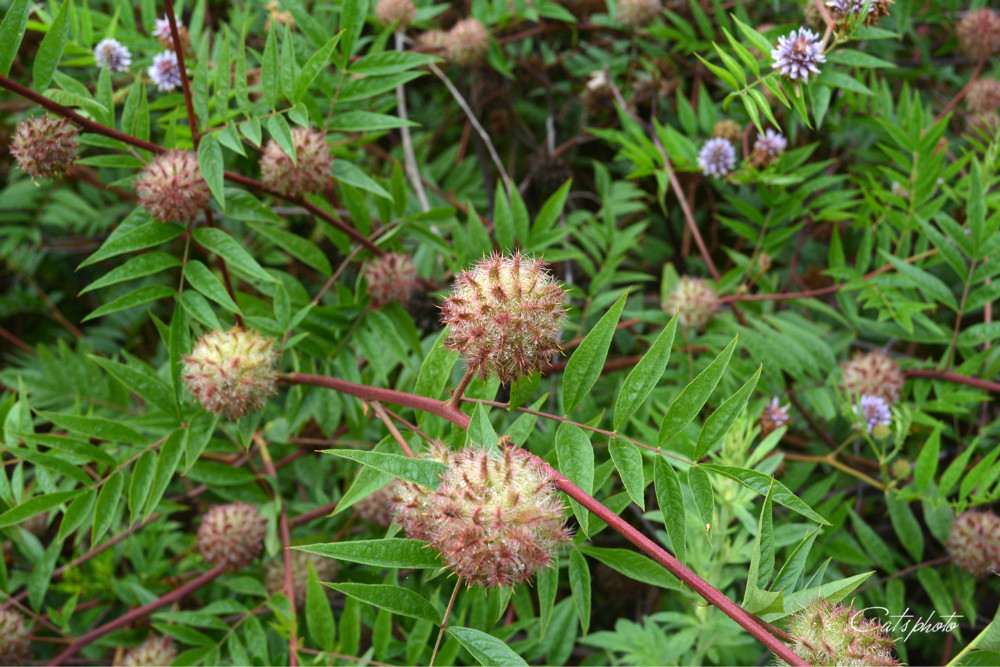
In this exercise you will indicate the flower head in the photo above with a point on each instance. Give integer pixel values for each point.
(390, 277)
(774, 416)
(798, 54)
(378, 507)
(309, 173)
(274, 578)
(44, 146)
(162, 33)
(694, 301)
(717, 157)
(850, 7)
(874, 411)
(768, 148)
(638, 13)
(231, 373)
(497, 516)
(873, 373)
(111, 54)
(400, 12)
(827, 634)
(231, 535)
(468, 42)
(172, 188)
(410, 501)
(983, 96)
(165, 72)
(728, 129)
(979, 33)
(154, 651)
(505, 315)
(14, 644)
(974, 542)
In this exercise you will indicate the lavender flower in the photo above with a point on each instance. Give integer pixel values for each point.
(111, 54)
(776, 412)
(717, 157)
(875, 411)
(849, 7)
(771, 143)
(162, 30)
(797, 54)
(165, 72)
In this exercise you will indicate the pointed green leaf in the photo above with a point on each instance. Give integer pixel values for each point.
(760, 483)
(51, 49)
(646, 375)
(720, 421)
(693, 397)
(424, 472)
(486, 649)
(579, 586)
(225, 246)
(390, 552)
(576, 461)
(670, 497)
(628, 461)
(139, 297)
(396, 599)
(141, 379)
(212, 167)
(36, 505)
(95, 427)
(584, 367)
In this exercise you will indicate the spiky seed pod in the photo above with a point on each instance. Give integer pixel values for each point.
(274, 578)
(983, 96)
(231, 373)
(498, 517)
(974, 542)
(172, 188)
(409, 500)
(14, 645)
(44, 146)
(729, 130)
(377, 508)
(154, 651)
(827, 634)
(468, 42)
(872, 374)
(694, 301)
(638, 13)
(399, 12)
(773, 417)
(391, 277)
(979, 33)
(232, 535)
(311, 171)
(505, 314)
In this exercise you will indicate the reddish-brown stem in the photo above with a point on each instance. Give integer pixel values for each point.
(139, 612)
(950, 376)
(168, 6)
(14, 340)
(380, 411)
(314, 513)
(456, 397)
(965, 89)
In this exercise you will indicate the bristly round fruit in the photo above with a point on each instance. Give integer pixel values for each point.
(872, 374)
(172, 188)
(497, 516)
(505, 315)
(311, 171)
(983, 96)
(410, 501)
(232, 535)
(979, 33)
(729, 130)
(154, 651)
(399, 12)
(274, 578)
(638, 13)
(377, 508)
(231, 373)
(694, 301)
(468, 41)
(974, 542)
(391, 277)
(827, 634)
(44, 146)
(14, 645)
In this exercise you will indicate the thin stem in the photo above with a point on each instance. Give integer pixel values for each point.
(950, 376)
(409, 159)
(168, 7)
(456, 398)
(444, 623)
(380, 411)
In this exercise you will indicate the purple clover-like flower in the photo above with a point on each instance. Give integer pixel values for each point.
(111, 54)
(776, 412)
(875, 411)
(165, 72)
(797, 54)
(162, 30)
(850, 7)
(771, 143)
(717, 157)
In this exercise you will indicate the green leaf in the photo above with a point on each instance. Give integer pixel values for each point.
(139, 485)
(634, 566)
(319, 615)
(206, 282)
(352, 22)
(932, 287)
(51, 49)
(853, 58)
(77, 513)
(906, 526)
(351, 174)
(95, 427)
(144, 236)
(670, 497)
(133, 299)
(844, 81)
(760, 483)
(390, 62)
(15, 21)
(142, 380)
(486, 649)
(390, 552)
(480, 431)
(236, 256)
(316, 63)
(927, 460)
(628, 461)
(584, 367)
(269, 70)
(689, 402)
(704, 496)
(367, 121)
(579, 586)
(424, 472)
(36, 505)
(212, 167)
(547, 584)
(166, 464)
(576, 461)
(107, 501)
(720, 421)
(645, 376)
(396, 599)
(147, 264)
(301, 249)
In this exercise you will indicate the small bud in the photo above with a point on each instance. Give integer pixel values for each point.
(231, 373)
(901, 469)
(232, 535)
(152, 652)
(983, 96)
(398, 12)
(468, 42)
(44, 146)
(15, 648)
(638, 13)
(391, 277)
(274, 579)
(974, 542)
(873, 374)
(410, 501)
(505, 315)
(694, 301)
(774, 416)
(979, 33)
(826, 634)
(311, 171)
(171, 187)
(729, 130)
